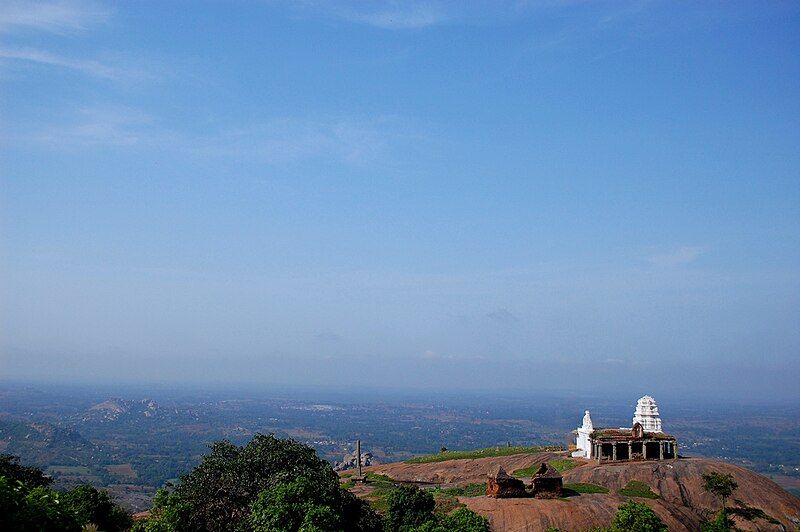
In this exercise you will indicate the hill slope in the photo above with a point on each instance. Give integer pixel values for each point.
(682, 505)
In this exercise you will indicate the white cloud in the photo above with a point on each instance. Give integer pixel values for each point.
(53, 17)
(677, 257)
(406, 15)
(86, 66)
(115, 126)
(353, 141)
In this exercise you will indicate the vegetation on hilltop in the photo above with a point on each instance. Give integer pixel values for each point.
(488, 452)
(28, 504)
(279, 485)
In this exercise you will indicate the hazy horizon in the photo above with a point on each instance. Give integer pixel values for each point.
(553, 195)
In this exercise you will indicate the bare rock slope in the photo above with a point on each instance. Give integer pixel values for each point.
(682, 502)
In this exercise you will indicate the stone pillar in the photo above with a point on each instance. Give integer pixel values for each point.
(675, 450)
(644, 450)
(614, 452)
(630, 451)
(661, 450)
(358, 456)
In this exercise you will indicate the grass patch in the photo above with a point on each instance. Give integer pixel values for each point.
(348, 474)
(560, 465)
(634, 488)
(480, 453)
(470, 490)
(447, 498)
(564, 464)
(749, 513)
(585, 488)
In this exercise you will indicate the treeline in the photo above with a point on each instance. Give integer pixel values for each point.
(279, 485)
(28, 504)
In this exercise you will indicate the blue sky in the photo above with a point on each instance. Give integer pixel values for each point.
(407, 193)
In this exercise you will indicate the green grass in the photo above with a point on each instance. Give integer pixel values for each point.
(382, 486)
(634, 488)
(470, 490)
(564, 464)
(480, 453)
(585, 488)
(447, 498)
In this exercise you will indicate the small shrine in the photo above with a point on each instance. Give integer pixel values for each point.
(501, 485)
(546, 483)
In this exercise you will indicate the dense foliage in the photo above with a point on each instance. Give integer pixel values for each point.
(268, 484)
(721, 485)
(11, 469)
(410, 509)
(637, 517)
(91, 505)
(27, 504)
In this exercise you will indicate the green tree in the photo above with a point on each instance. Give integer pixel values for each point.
(219, 494)
(409, 507)
(721, 523)
(30, 476)
(637, 517)
(462, 520)
(288, 507)
(721, 485)
(91, 505)
(37, 509)
(166, 515)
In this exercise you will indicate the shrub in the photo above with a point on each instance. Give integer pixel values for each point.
(408, 507)
(91, 505)
(637, 517)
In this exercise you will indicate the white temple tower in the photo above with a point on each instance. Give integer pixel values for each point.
(582, 442)
(646, 414)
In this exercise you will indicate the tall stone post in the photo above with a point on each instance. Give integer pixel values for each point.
(661, 450)
(644, 450)
(630, 451)
(358, 456)
(614, 452)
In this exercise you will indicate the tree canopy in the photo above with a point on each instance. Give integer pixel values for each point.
(637, 517)
(268, 484)
(720, 484)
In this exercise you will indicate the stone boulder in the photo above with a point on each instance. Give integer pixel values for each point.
(501, 485)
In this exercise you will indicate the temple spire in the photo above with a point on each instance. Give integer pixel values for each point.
(646, 414)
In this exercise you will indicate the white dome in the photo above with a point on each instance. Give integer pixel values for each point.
(646, 414)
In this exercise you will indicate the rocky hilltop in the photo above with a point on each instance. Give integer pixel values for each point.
(682, 503)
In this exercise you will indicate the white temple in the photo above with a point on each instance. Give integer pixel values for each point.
(583, 441)
(646, 414)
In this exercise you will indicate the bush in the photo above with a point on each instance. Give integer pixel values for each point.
(637, 517)
(38, 509)
(267, 483)
(409, 507)
(32, 477)
(287, 507)
(91, 505)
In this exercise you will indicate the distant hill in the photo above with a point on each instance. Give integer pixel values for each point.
(114, 409)
(682, 503)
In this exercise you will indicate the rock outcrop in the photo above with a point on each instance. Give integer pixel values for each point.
(682, 502)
